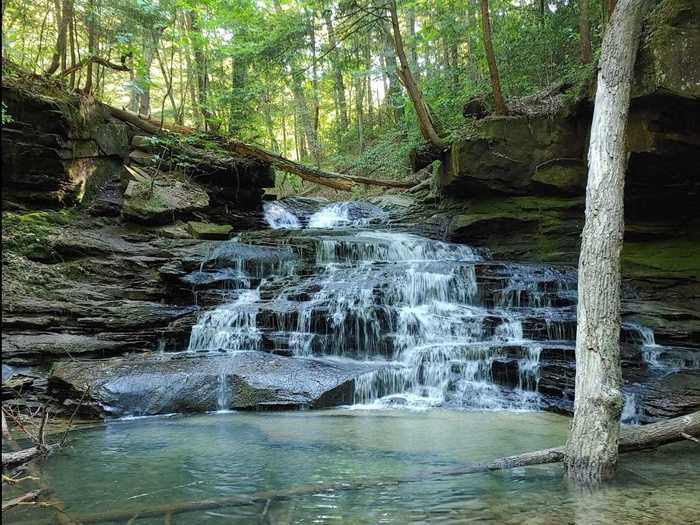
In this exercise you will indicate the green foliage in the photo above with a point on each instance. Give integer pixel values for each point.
(6, 117)
(265, 70)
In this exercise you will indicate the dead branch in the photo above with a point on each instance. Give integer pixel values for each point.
(95, 60)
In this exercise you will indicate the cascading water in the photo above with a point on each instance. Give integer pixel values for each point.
(448, 326)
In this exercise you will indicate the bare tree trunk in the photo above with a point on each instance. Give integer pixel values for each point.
(239, 78)
(201, 70)
(314, 77)
(337, 72)
(412, 45)
(90, 22)
(584, 28)
(592, 448)
(499, 104)
(393, 89)
(144, 76)
(307, 122)
(425, 118)
(64, 19)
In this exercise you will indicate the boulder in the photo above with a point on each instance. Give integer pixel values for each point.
(162, 201)
(186, 383)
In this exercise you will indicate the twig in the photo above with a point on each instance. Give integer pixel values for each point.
(72, 416)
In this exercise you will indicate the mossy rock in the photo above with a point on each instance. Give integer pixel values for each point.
(569, 179)
(206, 230)
(27, 234)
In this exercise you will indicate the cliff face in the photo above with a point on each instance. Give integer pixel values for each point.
(92, 209)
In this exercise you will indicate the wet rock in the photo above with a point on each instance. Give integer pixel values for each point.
(246, 380)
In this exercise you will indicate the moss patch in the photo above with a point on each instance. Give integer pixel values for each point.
(673, 258)
(27, 234)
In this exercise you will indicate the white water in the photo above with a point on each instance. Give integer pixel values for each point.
(418, 306)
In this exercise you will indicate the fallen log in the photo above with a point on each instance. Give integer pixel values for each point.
(632, 439)
(11, 460)
(24, 498)
(333, 180)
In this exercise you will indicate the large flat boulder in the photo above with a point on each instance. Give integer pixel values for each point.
(191, 383)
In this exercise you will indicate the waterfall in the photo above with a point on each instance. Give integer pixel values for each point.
(448, 326)
(278, 217)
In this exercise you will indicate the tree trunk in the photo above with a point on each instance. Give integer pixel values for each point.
(64, 19)
(201, 72)
(143, 78)
(307, 122)
(339, 87)
(239, 79)
(584, 28)
(412, 44)
(499, 104)
(591, 451)
(90, 24)
(393, 90)
(425, 119)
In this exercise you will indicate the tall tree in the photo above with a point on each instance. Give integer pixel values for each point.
(585, 33)
(425, 117)
(592, 447)
(63, 20)
(499, 103)
(339, 86)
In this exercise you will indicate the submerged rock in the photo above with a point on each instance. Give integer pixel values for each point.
(190, 383)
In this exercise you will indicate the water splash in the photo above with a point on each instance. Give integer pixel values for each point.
(278, 217)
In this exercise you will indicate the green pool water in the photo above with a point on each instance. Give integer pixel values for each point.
(131, 467)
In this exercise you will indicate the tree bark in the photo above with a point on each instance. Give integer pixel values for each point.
(237, 109)
(307, 121)
(425, 118)
(591, 451)
(499, 103)
(584, 28)
(393, 90)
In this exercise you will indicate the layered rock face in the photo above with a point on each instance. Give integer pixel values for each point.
(86, 229)
(57, 151)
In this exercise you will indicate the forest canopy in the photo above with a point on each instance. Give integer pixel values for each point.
(314, 80)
